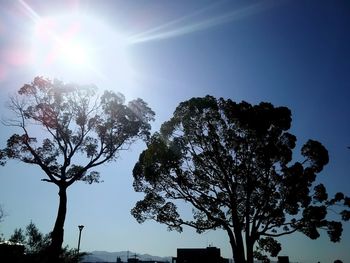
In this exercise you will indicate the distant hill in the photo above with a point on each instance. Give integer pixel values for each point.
(104, 256)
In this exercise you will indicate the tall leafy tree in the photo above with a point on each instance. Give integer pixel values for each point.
(79, 130)
(232, 163)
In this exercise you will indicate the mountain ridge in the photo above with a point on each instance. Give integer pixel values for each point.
(106, 256)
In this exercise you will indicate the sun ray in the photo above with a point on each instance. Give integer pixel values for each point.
(30, 12)
(201, 25)
(136, 37)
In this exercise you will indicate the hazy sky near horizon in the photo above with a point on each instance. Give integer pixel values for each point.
(289, 53)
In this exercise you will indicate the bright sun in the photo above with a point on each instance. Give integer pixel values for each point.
(78, 47)
(74, 53)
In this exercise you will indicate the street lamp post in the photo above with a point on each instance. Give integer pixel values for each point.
(80, 229)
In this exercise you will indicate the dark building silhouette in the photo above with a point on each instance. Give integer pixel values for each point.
(136, 260)
(11, 252)
(283, 259)
(199, 255)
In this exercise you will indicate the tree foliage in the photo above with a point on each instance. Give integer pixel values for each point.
(33, 240)
(233, 164)
(2, 214)
(37, 245)
(68, 130)
(78, 123)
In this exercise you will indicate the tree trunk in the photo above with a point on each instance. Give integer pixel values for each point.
(238, 256)
(250, 250)
(237, 248)
(58, 231)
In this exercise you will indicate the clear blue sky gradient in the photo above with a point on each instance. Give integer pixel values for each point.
(290, 53)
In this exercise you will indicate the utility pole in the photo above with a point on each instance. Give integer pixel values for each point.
(80, 229)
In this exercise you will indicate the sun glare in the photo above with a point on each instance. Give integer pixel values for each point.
(74, 54)
(78, 47)
(61, 43)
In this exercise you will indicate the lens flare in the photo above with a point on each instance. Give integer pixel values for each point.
(61, 43)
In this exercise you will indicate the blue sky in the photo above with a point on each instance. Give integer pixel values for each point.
(290, 53)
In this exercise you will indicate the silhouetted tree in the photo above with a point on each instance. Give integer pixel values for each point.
(2, 213)
(37, 245)
(79, 131)
(18, 236)
(232, 162)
